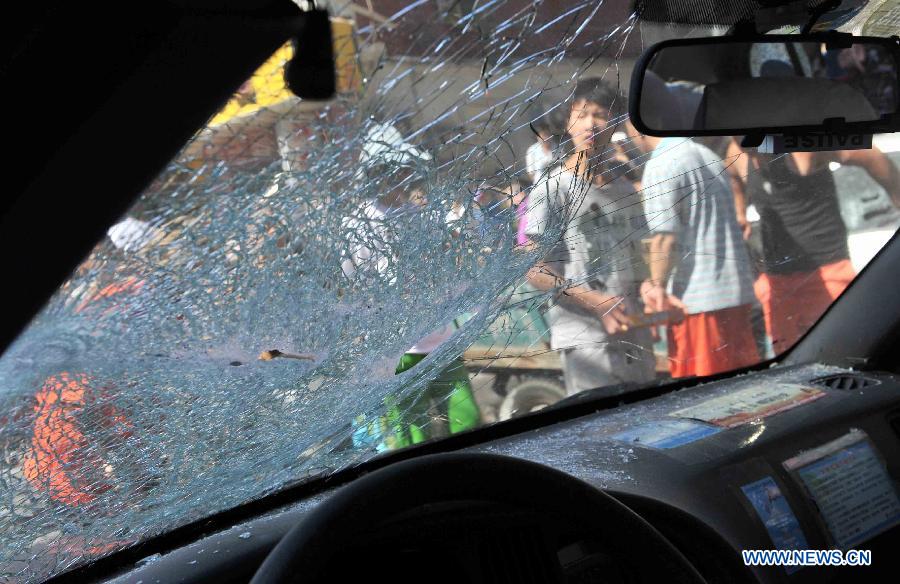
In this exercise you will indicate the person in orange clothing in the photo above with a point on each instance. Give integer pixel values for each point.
(793, 302)
(75, 419)
(805, 263)
(62, 462)
(129, 285)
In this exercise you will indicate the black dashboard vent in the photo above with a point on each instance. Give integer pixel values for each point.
(845, 381)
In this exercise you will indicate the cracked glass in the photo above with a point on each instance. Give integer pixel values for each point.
(469, 231)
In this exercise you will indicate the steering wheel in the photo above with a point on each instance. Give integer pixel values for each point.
(312, 547)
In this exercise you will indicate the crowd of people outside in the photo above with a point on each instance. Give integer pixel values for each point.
(652, 238)
(683, 256)
(652, 250)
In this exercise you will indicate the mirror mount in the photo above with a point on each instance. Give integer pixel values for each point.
(752, 140)
(837, 40)
(776, 15)
(816, 13)
(745, 29)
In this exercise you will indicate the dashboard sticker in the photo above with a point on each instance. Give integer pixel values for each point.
(776, 514)
(750, 404)
(850, 486)
(666, 434)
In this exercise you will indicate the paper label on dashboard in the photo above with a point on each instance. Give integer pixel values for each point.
(750, 404)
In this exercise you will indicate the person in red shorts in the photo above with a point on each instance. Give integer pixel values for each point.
(805, 263)
(697, 258)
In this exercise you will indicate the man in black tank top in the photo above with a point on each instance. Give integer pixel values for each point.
(800, 218)
(805, 263)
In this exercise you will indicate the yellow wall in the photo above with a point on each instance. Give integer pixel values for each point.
(267, 86)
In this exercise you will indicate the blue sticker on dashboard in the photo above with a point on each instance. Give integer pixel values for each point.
(666, 433)
(776, 514)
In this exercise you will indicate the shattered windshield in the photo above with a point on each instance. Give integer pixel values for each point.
(471, 230)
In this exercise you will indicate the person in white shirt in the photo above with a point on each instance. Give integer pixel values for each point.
(596, 267)
(538, 156)
(372, 259)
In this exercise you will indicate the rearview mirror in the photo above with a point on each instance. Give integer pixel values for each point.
(771, 84)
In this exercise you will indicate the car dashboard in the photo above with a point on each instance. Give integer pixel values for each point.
(801, 457)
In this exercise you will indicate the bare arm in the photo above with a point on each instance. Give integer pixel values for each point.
(879, 168)
(661, 257)
(608, 309)
(662, 261)
(737, 163)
